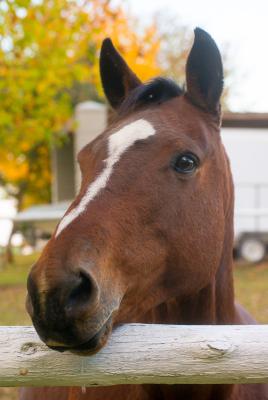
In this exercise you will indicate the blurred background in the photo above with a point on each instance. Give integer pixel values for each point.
(52, 104)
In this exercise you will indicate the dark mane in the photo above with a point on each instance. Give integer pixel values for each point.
(156, 91)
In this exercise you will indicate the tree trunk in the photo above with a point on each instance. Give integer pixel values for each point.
(9, 255)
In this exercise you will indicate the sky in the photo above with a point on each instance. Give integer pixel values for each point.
(242, 25)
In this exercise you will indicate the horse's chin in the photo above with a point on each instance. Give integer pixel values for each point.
(96, 343)
(91, 346)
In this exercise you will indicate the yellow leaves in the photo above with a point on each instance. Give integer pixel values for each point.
(140, 49)
(28, 171)
(53, 46)
(13, 169)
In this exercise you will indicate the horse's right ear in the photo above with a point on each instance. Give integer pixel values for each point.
(116, 76)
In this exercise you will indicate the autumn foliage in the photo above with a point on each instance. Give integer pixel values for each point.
(49, 52)
(49, 49)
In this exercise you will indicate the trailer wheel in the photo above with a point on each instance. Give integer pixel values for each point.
(252, 249)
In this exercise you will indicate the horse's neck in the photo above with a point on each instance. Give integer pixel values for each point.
(214, 304)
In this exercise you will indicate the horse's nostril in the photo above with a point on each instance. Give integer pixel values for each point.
(82, 294)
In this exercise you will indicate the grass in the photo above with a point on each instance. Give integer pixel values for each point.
(251, 283)
(251, 288)
(16, 274)
(13, 291)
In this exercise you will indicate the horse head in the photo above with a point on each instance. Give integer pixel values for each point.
(153, 218)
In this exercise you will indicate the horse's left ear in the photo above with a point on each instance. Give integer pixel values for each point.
(116, 76)
(204, 73)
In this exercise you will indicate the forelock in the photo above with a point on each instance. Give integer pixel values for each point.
(156, 91)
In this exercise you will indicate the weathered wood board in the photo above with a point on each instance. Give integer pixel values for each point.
(137, 354)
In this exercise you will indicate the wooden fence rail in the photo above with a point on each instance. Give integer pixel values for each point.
(138, 354)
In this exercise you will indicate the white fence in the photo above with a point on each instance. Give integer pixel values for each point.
(137, 354)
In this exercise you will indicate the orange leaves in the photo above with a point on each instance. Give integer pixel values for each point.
(12, 169)
(49, 51)
(140, 49)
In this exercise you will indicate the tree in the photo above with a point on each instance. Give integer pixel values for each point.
(48, 56)
(49, 61)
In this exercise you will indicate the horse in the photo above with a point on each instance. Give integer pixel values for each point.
(149, 237)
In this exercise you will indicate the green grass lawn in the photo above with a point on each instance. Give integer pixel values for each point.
(251, 289)
(13, 291)
(16, 274)
(251, 286)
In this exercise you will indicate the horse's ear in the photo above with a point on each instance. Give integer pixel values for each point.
(116, 76)
(204, 72)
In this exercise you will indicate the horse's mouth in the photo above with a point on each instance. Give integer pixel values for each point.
(91, 346)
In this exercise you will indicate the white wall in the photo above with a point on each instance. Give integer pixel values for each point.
(248, 152)
(91, 119)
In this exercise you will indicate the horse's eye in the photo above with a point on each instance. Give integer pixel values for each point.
(185, 163)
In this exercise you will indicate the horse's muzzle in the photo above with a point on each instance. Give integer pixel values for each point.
(71, 314)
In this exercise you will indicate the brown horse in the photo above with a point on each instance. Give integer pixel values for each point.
(149, 238)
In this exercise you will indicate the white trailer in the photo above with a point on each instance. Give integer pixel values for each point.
(248, 152)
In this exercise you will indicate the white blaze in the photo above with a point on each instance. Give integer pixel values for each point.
(118, 143)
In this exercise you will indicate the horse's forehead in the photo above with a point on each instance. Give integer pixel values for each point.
(175, 118)
(118, 142)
